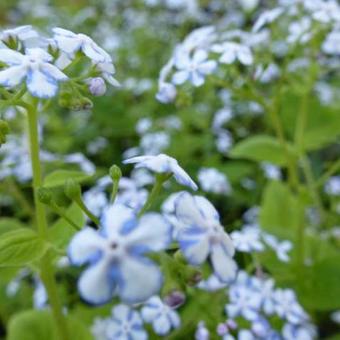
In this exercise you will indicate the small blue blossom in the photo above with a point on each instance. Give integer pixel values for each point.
(41, 76)
(125, 324)
(193, 69)
(162, 317)
(231, 51)
(202, 333)
(248, 239)
(203, 236)
(25, 34)
(163, 164)
(115, 255)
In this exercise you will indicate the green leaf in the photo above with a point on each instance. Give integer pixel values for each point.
(20, 247)
(61, 231)
(31, 325)
(39, 325)
(9, 224)
(280, 213)
(59, 177)
(261, 148)
(320, 289)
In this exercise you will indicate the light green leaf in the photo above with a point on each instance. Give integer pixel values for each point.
(59, 177)
(61, 231)
(39, 325)
(20, 247)
(261, 148)
(9, 224)
(280, 213)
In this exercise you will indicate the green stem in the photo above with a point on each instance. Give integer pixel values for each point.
(62, 213)
(115, 187)
(47, 274)
(83, 207)
(160, 179)
(330, 172)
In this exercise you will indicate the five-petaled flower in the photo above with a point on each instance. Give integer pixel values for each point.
(116, 255)
(163, 164)
(41, 76)
(203, 236)
(192, 68)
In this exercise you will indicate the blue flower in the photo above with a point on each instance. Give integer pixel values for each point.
(41, 76)
(162, 317)
(116, 256)
(193, 69)
(125, 324)
(163, 164)
(203, 236)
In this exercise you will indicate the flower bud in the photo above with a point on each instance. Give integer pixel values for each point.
(175, 299)
(97, 86)
(115, 173)
(72, 189)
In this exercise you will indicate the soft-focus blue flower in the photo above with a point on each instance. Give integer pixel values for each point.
(193, 69)
(231, 51)
(288, 308)
(267, 17)
(166, 93)
(248, 239)
(41, 76)
(70, 43)
(281, 248)
(115, 255)
(163, 164)
(162, 317)
(298, 332)
(125, 324)
(24, 34)
(203, 236)
(214, 181)
(202, 333)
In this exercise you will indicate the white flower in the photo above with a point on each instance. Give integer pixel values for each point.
(265, 288)
(143, 125)
(266, 75)
(212, 180)
(163, 164)
(324, 11)
(331, 45)
(25, 34)
(70, 43)
(125, 324)
(332, 187)
(300, 31)
(224, 141)
(41, 76)
(221, 117)
(203, 236)
(211, 284)
(193, 69)
(99, 328)
(281, 248)
(271, 171)
(155, 142)
(267, 17)
(162, 317)
(231, 51)
(166, 93)
(248, 239)
(298, 332)
(288, 308)
(115, 255)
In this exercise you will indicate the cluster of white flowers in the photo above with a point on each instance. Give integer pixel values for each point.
(41, 71)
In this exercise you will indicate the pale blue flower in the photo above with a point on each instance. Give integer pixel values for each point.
(70, 43)
(267, 17)
(192, 68)
(203, 236)
(24, 34)
(214, 181)
(35, 66)
(115, 255)
(298, 332)
(248, 239)
(202, 333)
(163, 164)
(281, 248)
(162, 317)
(166, 93)
(231, 52)
(125, 324)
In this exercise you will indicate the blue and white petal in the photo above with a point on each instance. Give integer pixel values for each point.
(40, 85)
(182, 177)
(11, 57)
(154, 233)
(224, 266)
(95, 284)
(86, 246)
(140, 279)
(53, 72)
(207, 209)
(194, 244)
(12, 76)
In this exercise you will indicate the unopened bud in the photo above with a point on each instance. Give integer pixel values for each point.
(115, 173)
(97, 86)
(72, 189)
(175, 299)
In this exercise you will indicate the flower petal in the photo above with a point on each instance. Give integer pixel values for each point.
(95, 285)
(161, 325)
(12, 76)
(53, 72)
(11, 57)
(180, 77)
(207, 210)
(140, 279)
(85, 246)
(194, 244)
(41, 85)
(94, 52)
(153, 233)
(224, 266)
(182, 177)
(69, 45)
